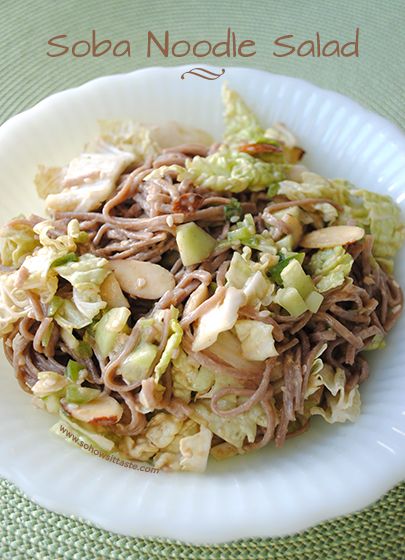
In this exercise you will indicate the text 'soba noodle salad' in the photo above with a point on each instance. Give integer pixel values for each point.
(188, 298)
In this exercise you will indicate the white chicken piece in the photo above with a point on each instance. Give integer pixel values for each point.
(89, 181)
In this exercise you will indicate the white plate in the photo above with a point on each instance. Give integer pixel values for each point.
(329, 471)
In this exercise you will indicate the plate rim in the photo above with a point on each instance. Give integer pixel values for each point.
(19, 118)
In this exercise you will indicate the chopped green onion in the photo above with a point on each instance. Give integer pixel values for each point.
(233, 211)
(273, 190)
(70, 257)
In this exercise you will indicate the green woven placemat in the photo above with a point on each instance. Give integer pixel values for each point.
(375, 79)
(29, 531)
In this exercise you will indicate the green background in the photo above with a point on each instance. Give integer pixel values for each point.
(375, 79)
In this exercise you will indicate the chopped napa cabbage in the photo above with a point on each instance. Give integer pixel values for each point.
(240, 269)
(63, 244)
(162, 429)
(332, 264)
(281, 133)
(68, 426)
(218, 382)
(259, 290)
(220, 318)
(86, 276)
(89, 181)
(188, 377)
(48, 180)
(341, 404)
(315, 186)
(14, 303)
(256, 338)
(184, 453)
(41, 277)
(226, 170)
(231, 170)
(241, 124)
(173, 342)
(142, 139)
(128, 136)
(195, 450)
(17, 241)
(172, 133)
(139, 448)
(381, 216)
(232, 430)
(378, 214)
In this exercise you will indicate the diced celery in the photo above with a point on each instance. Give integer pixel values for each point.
(285, 242)
(52, 402)
(109, 327)
(47, 336)
(80, 395)
(84, 350)
(282, 263)
(314, 301)
(239, 234)
(73, 369)
(290, 299)
(82, 238)
(194, 243)
(249, 221)
(293, 276)
(136, 366)
(56, 302)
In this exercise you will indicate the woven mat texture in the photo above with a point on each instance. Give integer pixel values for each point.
(375, 79)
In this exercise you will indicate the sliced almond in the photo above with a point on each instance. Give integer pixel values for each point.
(104, 410)
(331, 237)
(294, 155)
(296, 171)
(197, 298)
(111, 293)
(296, 227)
(142, 279)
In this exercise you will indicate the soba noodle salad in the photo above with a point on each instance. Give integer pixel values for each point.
(187, 297)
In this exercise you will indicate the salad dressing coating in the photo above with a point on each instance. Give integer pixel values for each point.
(188, 297)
